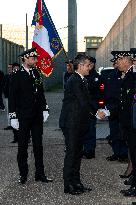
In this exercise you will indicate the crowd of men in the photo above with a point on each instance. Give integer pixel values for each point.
(27, 110)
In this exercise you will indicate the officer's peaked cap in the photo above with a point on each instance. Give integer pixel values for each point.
(29, 53)
(120, 54)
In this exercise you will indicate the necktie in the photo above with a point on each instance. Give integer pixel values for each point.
(85, 82)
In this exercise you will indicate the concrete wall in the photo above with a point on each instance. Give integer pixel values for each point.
(122, 36)
(9, 52)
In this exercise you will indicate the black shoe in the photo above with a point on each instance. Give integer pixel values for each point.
(125, 176)
(14, 141)
(43, 178)
(129, 181)
(130, 192)
(112, 158)
(82, 188)
(123, 159)
(22, 180)
(89, 155)
(70, 189)
(8, 128)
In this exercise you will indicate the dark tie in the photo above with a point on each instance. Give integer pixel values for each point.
(31, 73)
(85, 82)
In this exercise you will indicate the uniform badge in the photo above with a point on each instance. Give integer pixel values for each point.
(96, 79)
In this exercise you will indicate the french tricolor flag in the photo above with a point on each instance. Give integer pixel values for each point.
(45, 39)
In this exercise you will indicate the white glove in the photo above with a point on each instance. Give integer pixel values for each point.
(45, 116)
(15, 124)
(107, 112)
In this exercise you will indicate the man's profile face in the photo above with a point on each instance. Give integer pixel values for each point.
(120, 62)
(31, 61)
(85, 67)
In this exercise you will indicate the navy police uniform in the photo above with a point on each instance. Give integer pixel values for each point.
(112, 101)
(128, 91)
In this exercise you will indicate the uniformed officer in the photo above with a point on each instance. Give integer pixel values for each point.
(128, 91)
(27, 110)
(112, 100)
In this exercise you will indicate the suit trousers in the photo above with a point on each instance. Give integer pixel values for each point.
(35, 125)
(74, 138)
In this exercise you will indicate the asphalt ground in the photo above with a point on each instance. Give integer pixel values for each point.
(99, 174)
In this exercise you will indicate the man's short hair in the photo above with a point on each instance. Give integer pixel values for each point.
(80, 58)
(15, 64)
(92, 59)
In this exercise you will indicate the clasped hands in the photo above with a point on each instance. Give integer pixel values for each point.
(102, 113)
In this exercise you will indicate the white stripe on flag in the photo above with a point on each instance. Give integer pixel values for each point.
(41, 37)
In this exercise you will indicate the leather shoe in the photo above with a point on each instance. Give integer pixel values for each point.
(123, 159)
(82, 188)
(22, 179)
(130, 192)
(129, 181)
(70, 189)
(43, 178)
(112, 158)
(125, 176)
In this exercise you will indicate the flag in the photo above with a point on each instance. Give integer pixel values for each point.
(46, 39)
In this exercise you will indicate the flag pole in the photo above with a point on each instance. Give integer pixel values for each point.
(26, 33)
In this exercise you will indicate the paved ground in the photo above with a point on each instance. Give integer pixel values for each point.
(99, 174)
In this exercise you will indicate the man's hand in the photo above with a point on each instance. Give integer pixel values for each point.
(15, 124)
(45, 116)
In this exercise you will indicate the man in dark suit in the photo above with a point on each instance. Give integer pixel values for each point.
(74, 122)
(27, 110)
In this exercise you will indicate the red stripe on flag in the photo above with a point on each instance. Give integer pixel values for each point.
(39, 15)
(44, 60)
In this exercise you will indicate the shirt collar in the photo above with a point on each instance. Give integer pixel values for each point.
(27, 69)
(80, 75)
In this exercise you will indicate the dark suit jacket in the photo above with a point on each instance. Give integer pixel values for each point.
(77, 107)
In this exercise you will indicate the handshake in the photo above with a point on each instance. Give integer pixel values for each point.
(102, 113)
